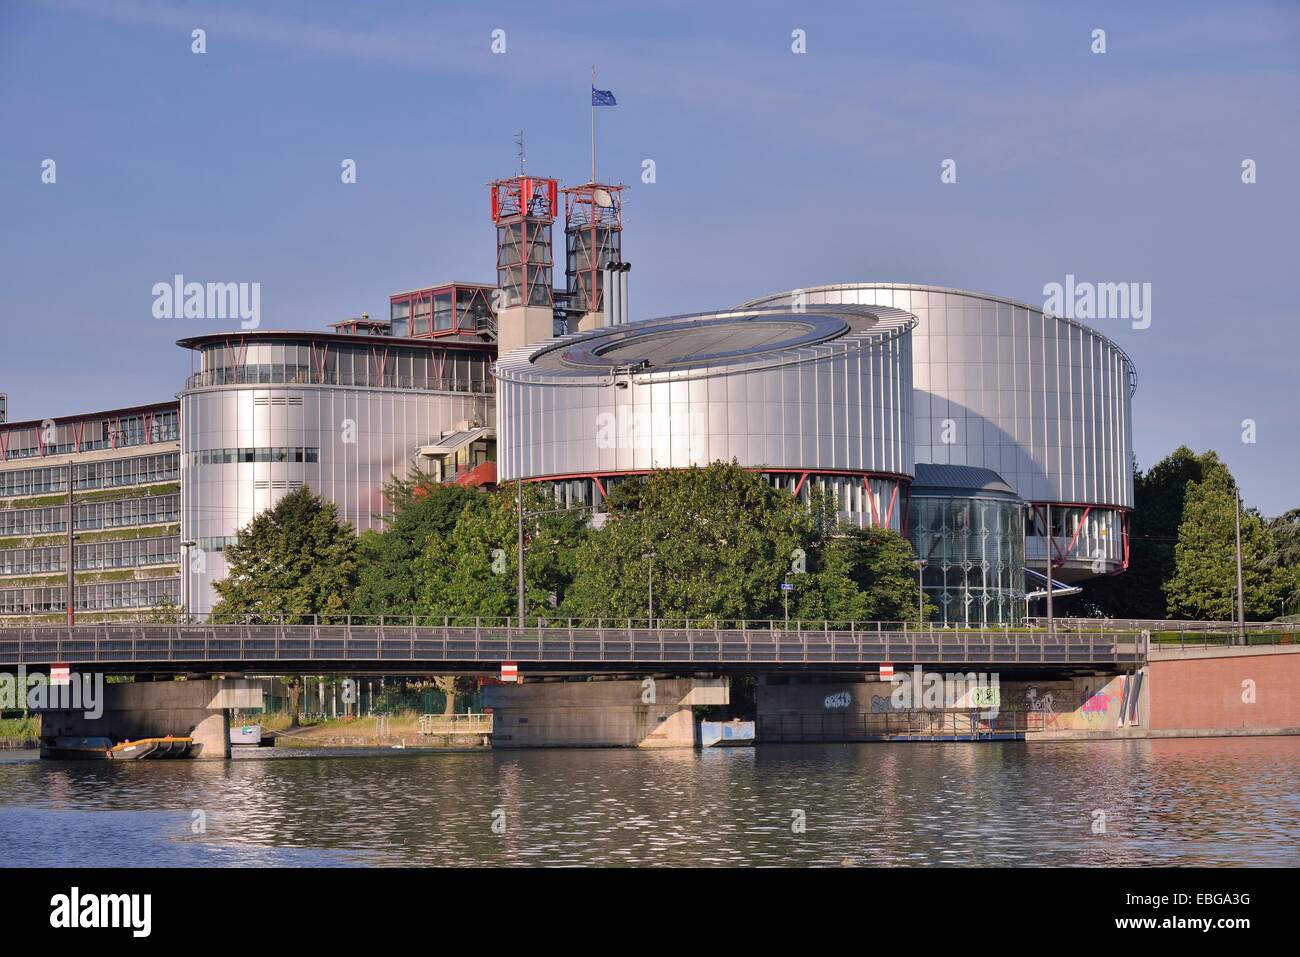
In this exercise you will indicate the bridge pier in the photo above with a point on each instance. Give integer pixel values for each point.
(155, 709)
(856, 707)
(618, 713)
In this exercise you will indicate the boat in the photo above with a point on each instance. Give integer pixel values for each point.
(105, 749)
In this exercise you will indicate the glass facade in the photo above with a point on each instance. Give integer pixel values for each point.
(369, 363)
(442, 310)
(151, 425)
(974, 549)
(121, 507)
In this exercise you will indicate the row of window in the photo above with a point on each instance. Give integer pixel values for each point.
(89, 435)
(117, 473)
(151, 510)
(217, 543)
(372, 365)
(247, 454)
(96, 597)
(133, 553)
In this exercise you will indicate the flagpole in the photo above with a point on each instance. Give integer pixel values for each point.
(593, 124)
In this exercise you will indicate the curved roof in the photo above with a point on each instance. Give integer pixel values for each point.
(704, 344)
(308, 335)
(988, 297)
(930, 477)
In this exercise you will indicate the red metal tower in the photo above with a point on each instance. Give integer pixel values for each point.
(593, 236)
(523, 209)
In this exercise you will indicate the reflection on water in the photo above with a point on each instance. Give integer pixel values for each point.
(1230, 801)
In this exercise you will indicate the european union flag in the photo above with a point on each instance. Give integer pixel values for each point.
(603, 97)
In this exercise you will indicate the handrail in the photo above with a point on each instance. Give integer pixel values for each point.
(447, 642)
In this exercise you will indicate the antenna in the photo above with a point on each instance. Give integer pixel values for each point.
(519, 148)
(602, 198)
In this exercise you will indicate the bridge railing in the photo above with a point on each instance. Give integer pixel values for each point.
(474, 644)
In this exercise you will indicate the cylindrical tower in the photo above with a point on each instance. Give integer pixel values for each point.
(1043, 401)
(810, 399)
(268, 412)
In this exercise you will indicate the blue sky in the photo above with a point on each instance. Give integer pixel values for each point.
(774, 170)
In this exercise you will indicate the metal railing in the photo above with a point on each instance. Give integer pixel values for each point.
(479, 643)
(1185, 634)
(472, 723)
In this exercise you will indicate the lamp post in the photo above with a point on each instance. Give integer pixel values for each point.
(1241, 591)
(651, 607)
(1051, 620)
(519, 483)
(185, 578)
(920, 564)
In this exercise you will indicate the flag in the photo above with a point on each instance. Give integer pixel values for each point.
(603, 97)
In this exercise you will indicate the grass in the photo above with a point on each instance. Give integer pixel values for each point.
(20, 729)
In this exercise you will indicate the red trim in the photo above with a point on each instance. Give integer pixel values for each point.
(893, 499)
(1077, 529)
(560, 477)
(798, 488)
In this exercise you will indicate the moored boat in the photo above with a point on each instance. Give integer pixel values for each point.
(104, 749)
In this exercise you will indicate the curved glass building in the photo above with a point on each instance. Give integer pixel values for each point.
(968, 526)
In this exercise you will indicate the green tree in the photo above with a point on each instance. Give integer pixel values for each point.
(1204, 583)
(473, 572)
(1285, 534)
(422, 509)
(1158, 499)
(863, 574)
(294, 560)
(723, 540)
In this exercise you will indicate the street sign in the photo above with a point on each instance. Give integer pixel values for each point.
(787, 586)
(60, 674)
(509, 671)
(886, 672)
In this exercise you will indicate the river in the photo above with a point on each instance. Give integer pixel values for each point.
(1217, 802)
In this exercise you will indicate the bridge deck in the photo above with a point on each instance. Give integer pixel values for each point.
(353, 647)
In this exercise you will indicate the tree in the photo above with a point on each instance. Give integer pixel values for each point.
(422, 509)
(1158, 499)
(723, 540)
(863, 574)
(1204, 583)
(1284, 532)
(473, 572)
(294, 560)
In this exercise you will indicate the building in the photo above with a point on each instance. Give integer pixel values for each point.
(990, 433)
(818, 399)
(1043, 402)
(342, 413)
(124, 470)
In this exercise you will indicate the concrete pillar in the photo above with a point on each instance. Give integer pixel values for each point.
(519, 326)
(621, 713)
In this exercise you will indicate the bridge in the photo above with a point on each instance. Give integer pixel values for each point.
(480, 647)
